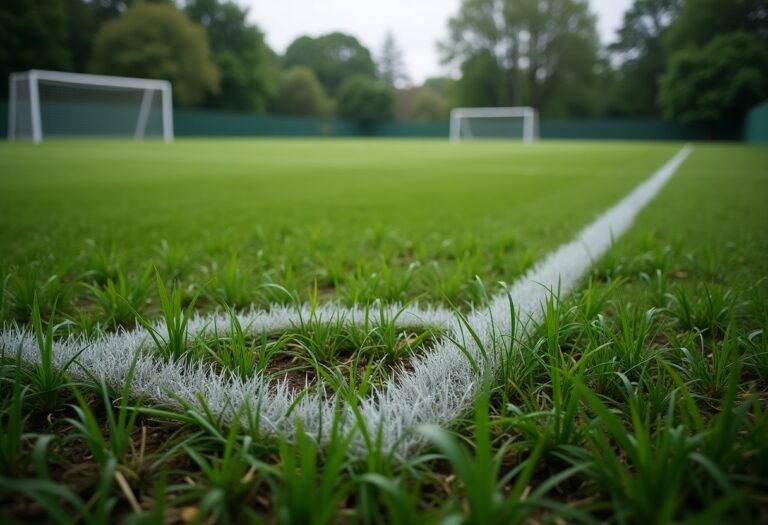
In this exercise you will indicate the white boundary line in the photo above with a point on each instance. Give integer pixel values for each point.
(441, 385)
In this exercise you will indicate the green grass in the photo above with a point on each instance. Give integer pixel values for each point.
(640, 399)
(393, 220)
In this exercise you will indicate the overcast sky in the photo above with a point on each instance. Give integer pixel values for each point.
(416, 24)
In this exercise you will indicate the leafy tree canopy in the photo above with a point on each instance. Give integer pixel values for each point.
(158, 41)
(33, 35)
(301, 94)
(443, 85)
(243, 58)
(716, 82)
(431, 106)
(366, 99)
(702, 20)
(333, 57)
(543, 48)
(640, 49)
(482, 82)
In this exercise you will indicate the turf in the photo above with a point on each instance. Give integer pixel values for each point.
(366, 219)
(640, 399)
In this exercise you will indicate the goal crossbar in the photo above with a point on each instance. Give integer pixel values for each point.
(34, 76)
(528, 114)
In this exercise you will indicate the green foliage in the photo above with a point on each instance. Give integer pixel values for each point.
(12, 421)
(482, 82)
(365, 99)
(170, 344)
(720, 81)
(432, 102)
(33, 35)
(334, 58)
(310, 491)
(544, 50)
(300, 93)
(48, 377)
(247, 70)
(443, 85)
(700, 21)
(640, 46)
(120, 299)
(158, 41)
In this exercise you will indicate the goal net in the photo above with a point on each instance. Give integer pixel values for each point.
(521, 123)
(48, 104)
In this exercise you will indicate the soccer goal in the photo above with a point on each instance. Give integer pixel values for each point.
(47, 104)
(494, 123)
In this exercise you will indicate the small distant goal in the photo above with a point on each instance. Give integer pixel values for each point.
(516, 123)
(54, 104)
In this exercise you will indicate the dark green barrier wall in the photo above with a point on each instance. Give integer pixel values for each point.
(230, 124)
(635, 129)
(412, 129)
(756, 125)
(189, 122)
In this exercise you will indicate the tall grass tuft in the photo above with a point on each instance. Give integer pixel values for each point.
(171, 345)
(48, 378)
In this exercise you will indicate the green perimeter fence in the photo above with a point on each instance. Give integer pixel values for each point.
(756, 125)
(199, 123)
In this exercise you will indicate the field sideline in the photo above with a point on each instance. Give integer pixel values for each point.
(638, 397)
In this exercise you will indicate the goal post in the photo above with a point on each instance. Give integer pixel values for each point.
(494, 123)
(44, 104)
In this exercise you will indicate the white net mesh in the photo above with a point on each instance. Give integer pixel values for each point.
(70, 106)
(494, 124)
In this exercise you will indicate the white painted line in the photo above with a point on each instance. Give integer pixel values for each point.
(441, 385)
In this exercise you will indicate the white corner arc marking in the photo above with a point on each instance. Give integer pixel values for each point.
(441, 385)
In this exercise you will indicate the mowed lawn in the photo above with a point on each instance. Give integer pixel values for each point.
(364, 219)
(641, 397)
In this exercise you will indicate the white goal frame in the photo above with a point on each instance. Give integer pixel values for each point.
(34, 76)
(529, 115)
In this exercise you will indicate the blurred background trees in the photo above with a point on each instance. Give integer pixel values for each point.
(157, 41)
(539, 53)
(334, 58)
(364, 98)
(718, 81)
(686, 60)
(248, 68)
(640, 50)
(300, 93)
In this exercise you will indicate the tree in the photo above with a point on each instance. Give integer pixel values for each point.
(483, 83)
(443, 85)
(431, 106)
(108, 9)
(334, 58)
(366, 99)
(717, 82)
(391, 64)
(545, 50)
(640, 49)
(33, 35)
(247, 70)
(158, 41)
(702, 20)
(300, 93)
(82, 25)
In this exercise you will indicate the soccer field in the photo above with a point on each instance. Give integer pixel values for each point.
(627, 382)
(424, 216)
